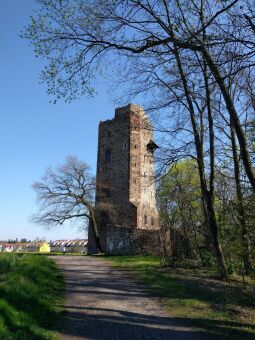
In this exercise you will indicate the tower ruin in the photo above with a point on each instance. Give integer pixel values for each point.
(125, 189)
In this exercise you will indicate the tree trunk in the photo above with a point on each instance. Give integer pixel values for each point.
(207, 196)
(234, 117)
(211, 192)
(246, 247)
(221, 265)
(95, 229)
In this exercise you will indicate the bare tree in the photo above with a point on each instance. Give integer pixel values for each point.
(78, 37)
(168, 37)
(66, 193)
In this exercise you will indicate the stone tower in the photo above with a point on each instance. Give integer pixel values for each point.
(125, 189)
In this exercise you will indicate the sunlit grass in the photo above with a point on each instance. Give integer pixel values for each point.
(30, 286)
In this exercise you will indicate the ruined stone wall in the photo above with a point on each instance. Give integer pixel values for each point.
(121, 241)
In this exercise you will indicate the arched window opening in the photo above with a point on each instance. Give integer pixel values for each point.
(145, 219)
(125, 146)
(108, 156)
(152, 221)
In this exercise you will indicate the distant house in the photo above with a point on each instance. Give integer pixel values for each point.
(7, 247)
(44, 248)
(70, 246)
(35, 247)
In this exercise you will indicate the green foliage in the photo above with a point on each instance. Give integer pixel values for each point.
(68, 73)
(7, 263)
(227, 311)
(28, 293)
(179, 199)
(180, 205)
(179, 195)
(231, 224)
(207, 257)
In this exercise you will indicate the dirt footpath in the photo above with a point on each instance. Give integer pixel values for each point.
(103, 302)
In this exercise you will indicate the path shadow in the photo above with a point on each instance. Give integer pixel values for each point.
(103, 323)
(110, 285)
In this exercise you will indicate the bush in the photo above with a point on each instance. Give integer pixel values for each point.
(7, 262)
(207, 257)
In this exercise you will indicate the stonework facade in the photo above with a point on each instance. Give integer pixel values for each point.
(125, 193)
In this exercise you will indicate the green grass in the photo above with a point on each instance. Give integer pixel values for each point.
(30, 287)
(197, 298)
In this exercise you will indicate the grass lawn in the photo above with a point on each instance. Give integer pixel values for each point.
(226, 310)
(30, 287)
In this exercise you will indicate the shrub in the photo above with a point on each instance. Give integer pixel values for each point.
(7, 262)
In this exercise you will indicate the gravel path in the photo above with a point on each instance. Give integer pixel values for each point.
(103, 302)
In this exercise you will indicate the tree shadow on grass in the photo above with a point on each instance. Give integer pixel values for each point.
(213, 299)
(215, 293)
(105, 323)
(111, 283)
(220, 298)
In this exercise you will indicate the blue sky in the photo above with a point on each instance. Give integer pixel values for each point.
(35, 134)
